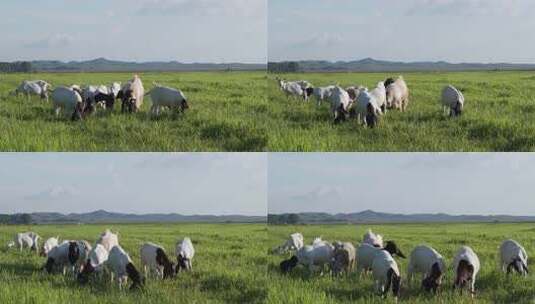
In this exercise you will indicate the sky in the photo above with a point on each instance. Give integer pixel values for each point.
(486, 31)
(458, 183)
(185, 183)
(141, 30)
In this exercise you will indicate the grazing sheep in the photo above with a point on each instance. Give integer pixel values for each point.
(48, 245)
(293, 89)
(452, 100)
(27, 239)
(389, 81)
(121, 265)
(108, 239)
(373, 239)
(153, 258)
(466, 265)
(379, 95)
(68, 100)
(367, 252)
(367, 109)
(513, 255)
(340, 104)
(386, 274)
(29, 88)
(397, 95)
(344, 258)
(167, 97)
(430, 264)
(59, 257)
(317, 255)
(95, 263)
(78, 254)
(132, 95)
(287, 265)
(10, 244)
(294, 242)
(322, 93)
(184, 255)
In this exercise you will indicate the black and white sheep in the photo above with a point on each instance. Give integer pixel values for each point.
(122, 268)
(386, 274)
(366, 253)
(513, 256)
(184, 254)
(466, 265)
(452, 101)
(154, 259)
(430, 264)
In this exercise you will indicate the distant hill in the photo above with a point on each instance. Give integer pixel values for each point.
(102, 216)
(370, 216)
(372, 65)
(105, 65)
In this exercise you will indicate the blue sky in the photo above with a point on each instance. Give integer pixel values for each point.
(464, 183)
(408, 30)
(140, 30)
(200, 183)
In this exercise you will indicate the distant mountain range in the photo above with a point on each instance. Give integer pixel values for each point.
(102, 216)
(372, 65)
(105, 65)
(370, 216)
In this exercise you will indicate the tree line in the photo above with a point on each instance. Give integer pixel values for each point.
(16, 219)
(284, 67)
(16, 67)
(283, 219)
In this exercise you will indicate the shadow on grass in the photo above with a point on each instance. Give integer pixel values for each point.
(235, 290)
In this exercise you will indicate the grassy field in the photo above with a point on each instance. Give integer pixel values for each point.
(227, 113)
(229, 266)
(498, 115)
(491, 285)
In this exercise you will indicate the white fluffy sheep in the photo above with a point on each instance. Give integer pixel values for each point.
(340, 104)
(373, 239)
(69, 101)
(452, 100)
(154, 259)
(184, 254)
(317, 255)
(386, 274)
(513, 256)
(344, 258)
(48, 245)
(367, 109)
(466, 265)
(428, 262)
(167, 97)
(122, 268)
(397, 94)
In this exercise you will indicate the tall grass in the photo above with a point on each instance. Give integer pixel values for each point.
(227, 113)
(492, 286)
(228, 267)
(498, 115)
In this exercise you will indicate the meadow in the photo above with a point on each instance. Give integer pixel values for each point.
(229, 266)
(227, 113)
(492, 286)
(498, 115)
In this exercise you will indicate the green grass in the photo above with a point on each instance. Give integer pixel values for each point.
(498, 115)
(229, 266)
(227, 113)
(492, 286)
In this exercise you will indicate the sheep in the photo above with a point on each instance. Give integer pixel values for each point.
(344, 258)
(68, 100)
(367, 252)
(452, 100)
(513, 255)
(36, 87)
(59, 257)
(397, 95)
(379, 95)
(354, 92)
(430, 264)
(373, 239)
(27, 239)
(153, 258)
(367, 109)
(294, 242)
(184, 255)
(95, 263)
(10, 244)
(132, 95)
(319, 254)
(466, 265)
(108, 239)
(287, 265)
(386, 274)
(340, 104)
(322, 93)
(78, 254)
(388, 82)
(121, 266)
(167, 97)
(48, 245)
(293, 89)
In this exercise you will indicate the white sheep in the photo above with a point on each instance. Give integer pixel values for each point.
(513, 255)
(154, 259)
(27, 239)
(373, 239)
(132, 95)
(322, 93)
(452, 100)
(367, 109)
(48, 245)
(184, 254)
(317, 255)
(430, 264)
(95, 263)
(340, 104)
(108, 239)
(379, 95)
(294, 242)
(466, 265)
(59, 257)
(122, 268)
(397, 94)
(386, 274)
(293, 89)
(344, 258)
(69, 101)
(29, 88)
(167, 97)
(366, 253)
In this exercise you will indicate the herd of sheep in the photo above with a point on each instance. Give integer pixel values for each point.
(378, 257)
(106, 257)
(77, 102)
(367, 106)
